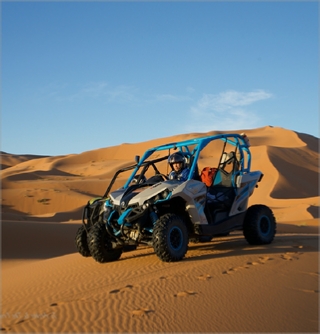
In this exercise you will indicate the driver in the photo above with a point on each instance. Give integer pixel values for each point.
(177, 163)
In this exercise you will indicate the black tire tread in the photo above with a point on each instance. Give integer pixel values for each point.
(81, 242)
(250, 226)
(160, 243)
(100, 245)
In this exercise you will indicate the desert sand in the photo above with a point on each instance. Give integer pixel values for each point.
(224, 285)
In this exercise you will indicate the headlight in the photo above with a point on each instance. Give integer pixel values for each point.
(164, 195)
(145, 205)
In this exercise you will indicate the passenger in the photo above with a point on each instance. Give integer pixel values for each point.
(177, 163)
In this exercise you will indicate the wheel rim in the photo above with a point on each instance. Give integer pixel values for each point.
(265, 225)
(176, 238)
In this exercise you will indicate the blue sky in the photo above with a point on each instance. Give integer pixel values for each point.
(77, 76)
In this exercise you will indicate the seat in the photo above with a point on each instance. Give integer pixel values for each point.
(229, 162)
(222, 192)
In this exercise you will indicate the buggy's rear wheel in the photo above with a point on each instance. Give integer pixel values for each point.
(81, 242)
(100, 245)
(170, 238)
(259, 225)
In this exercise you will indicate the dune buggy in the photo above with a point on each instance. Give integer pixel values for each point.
(150, 209)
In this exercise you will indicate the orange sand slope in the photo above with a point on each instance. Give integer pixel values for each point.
(222, 286)
(56, 188)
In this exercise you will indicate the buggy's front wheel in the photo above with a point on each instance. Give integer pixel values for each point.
(81, 242)
(170, 238)
(100, 245)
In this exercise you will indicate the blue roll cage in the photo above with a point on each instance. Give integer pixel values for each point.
(199, 144)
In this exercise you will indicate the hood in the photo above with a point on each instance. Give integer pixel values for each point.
(142, 194)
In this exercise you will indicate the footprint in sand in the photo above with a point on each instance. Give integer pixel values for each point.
(253, 263)
(125, 288)
(204, 277)
(141, 312)
(290, 256)
(262, 260)
(230, 271)
(185, 294)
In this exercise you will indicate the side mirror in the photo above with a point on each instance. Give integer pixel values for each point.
(137, 158)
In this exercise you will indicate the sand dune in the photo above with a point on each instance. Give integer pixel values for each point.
(222, 286)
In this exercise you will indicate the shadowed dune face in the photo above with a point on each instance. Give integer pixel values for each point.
(38, 175)
(35, 185)
(311, 142)
(314, 211)
(298, 172)
(9, 160)
(34, 242)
